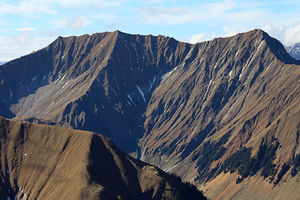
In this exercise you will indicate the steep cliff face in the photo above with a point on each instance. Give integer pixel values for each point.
(45, 162)
(194, 110)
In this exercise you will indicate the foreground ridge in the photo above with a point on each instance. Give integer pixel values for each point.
(46, 162)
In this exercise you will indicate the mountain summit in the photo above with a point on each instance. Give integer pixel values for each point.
(193, 109)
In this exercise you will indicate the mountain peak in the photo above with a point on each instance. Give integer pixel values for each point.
(119, 32)
(254, 32)
(272, 44)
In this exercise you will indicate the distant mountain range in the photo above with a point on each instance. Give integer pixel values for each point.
(223, 114)
(294, 51)
(1, 63)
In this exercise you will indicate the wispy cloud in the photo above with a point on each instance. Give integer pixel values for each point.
(287, 34)
(45, 7)
(26, 8)
(74, 23)
(21, 44)
(197, 38)
(166, 16)
(224, 11)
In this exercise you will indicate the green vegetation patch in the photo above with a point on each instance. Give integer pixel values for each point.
(185, 190)
(296, 165)
(209, 153)
(242, 162)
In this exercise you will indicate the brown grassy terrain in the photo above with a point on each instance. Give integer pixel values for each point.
(47, 162)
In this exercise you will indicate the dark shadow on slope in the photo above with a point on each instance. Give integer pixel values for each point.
(278, 50)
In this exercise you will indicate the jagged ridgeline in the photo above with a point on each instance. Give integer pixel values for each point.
(197, 110)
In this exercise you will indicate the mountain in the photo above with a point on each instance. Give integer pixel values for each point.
(100, 83)
(230, 118)
(294, 51)
(223, 114)
(1, 63)
(46, 162)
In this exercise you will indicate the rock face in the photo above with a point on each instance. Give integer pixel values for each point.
(45, 162)
(294, 51)
(195, 110)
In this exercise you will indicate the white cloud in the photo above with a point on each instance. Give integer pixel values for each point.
(166, 16)
(74, 23)
(292, 35)
(22, 44)
(288, 34)
(220, 7)
(35, 8)
(197, 38)
(233, 30)
(23, 39)
(227, 11)
(26, 8)
(78, 22)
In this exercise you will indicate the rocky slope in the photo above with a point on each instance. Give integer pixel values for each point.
(241, 91)
(226, 109)
(100, 82)
(45, 162)
(294, 51)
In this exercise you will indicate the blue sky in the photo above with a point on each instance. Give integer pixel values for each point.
(28, 25)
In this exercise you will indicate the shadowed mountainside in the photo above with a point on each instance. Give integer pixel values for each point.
(46, 162)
